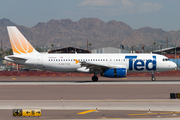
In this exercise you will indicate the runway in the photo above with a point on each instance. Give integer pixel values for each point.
(86, 79)
(116, 99)
(86, 92)
(92, 83)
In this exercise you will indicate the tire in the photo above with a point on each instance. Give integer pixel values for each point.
(94, 78)
(153, 78)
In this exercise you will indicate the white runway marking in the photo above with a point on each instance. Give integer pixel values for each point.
(88, 83)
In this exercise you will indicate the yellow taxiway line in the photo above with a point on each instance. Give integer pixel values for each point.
(153, 113)
(88, 111)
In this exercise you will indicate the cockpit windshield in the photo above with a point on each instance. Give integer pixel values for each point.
(165, 59)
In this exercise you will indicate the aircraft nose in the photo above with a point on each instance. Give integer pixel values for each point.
(173, 65)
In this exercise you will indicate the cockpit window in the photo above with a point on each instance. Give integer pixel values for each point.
(165, 59)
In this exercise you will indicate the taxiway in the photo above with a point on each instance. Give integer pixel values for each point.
(114, 99)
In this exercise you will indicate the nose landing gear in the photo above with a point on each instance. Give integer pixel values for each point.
(153, 78)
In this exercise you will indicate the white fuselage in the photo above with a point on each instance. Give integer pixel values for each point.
(66, 62)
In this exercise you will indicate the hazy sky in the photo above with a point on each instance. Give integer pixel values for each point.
(163, 14)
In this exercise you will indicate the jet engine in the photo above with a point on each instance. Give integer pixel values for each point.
(114, 72)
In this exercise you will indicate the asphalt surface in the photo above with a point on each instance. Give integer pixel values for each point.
(87, 92)
(83, 89)
(102, 114)
(87, 79)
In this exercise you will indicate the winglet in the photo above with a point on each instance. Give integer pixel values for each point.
(77, 61)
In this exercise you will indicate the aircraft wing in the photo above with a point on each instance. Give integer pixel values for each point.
(98, 66)
(91, 65)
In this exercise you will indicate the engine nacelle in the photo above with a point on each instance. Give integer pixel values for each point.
(114, 73)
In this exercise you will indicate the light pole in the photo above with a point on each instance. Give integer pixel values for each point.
(143, 48)
(175, 52)
(161, 49)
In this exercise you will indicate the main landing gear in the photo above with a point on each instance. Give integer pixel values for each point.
(153, 78)
(94, 78)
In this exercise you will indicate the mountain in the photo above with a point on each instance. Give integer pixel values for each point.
(65, 32)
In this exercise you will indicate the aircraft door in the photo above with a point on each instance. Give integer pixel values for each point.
(109, 61)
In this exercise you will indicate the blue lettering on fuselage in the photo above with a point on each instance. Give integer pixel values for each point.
(140, 64)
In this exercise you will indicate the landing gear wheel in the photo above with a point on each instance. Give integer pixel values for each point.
(94, 78)
(153, 78)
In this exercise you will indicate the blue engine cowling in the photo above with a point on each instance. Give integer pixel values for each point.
(114, 73)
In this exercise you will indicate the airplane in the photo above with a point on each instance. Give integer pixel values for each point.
(107, 65)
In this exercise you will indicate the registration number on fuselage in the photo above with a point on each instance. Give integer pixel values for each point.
(64, 64)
